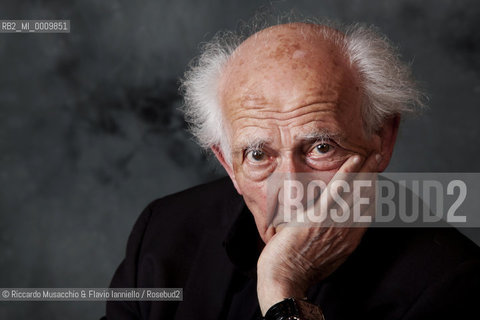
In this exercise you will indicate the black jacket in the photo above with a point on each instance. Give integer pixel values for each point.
(204, 240)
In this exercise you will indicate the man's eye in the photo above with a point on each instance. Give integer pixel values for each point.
(255, 155)
(321, 148)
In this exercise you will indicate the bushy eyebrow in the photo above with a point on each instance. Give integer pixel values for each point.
(251, 144)
(254, 143)
(321, 135)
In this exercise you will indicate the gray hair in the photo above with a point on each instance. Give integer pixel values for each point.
(386, 83)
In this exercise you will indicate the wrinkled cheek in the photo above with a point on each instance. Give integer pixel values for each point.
(254, 192)
(256, 199)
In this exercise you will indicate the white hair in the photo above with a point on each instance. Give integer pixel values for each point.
(385, 82)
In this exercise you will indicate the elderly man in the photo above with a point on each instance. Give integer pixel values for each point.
(293, 98)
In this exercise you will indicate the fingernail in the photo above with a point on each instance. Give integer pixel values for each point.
(378, 157)
(356, 159)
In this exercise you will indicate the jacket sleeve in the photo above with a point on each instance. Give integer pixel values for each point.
(126, 275)
(452, 296)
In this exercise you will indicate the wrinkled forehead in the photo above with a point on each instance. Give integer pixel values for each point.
(285, 44)
(285, 60)
(284, 40)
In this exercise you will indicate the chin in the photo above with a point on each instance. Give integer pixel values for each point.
(268, 234)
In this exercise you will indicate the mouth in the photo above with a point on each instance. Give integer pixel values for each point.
(279, 227)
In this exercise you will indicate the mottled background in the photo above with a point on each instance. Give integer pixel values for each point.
(90, 132)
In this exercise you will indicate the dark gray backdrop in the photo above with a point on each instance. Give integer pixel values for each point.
(90, 134)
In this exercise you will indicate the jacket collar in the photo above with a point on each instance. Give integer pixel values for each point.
(242, 242)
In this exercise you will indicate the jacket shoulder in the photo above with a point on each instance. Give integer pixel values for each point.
(204, 205)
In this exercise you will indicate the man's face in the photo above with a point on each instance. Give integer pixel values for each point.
(291, 104)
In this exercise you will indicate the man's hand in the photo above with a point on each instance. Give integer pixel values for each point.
(297, 257)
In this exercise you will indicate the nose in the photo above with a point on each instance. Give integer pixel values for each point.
(289, 165)
(290, 183)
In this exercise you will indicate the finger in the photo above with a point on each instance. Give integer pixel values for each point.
(347, 172)
(371, 163)
(356, 167)
(353, 164)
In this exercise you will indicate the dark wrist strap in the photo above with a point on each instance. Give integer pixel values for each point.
(283, 310)
(293, 309)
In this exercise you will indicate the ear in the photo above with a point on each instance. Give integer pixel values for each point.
(388, 136)
(228, 167)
